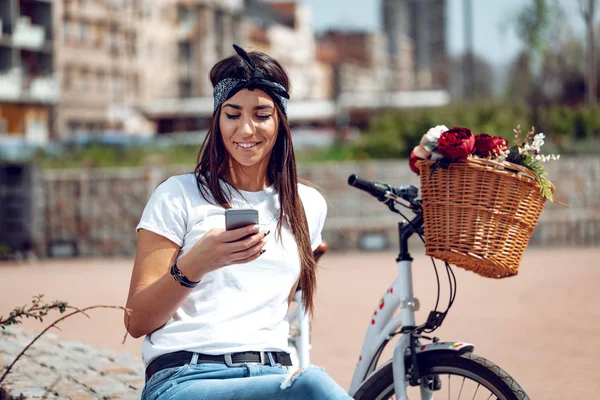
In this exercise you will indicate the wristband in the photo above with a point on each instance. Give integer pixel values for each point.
(181, 278)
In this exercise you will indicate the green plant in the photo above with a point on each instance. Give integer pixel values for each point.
(38, 310)
(5, 251)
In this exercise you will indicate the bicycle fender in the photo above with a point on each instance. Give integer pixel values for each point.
(460, 347)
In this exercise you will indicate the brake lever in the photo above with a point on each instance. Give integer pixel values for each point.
(400, 200)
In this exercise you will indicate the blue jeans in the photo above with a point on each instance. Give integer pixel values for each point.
(249, 382)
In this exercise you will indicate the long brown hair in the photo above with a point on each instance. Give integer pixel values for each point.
(213, 157)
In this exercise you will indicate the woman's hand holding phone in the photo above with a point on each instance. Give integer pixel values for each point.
(220, 247)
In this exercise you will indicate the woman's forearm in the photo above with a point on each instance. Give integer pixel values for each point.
(153, 305)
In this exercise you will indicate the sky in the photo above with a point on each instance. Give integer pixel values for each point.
(494, 34)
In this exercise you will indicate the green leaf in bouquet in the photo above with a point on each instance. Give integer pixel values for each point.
(431, 146)
(537, 167)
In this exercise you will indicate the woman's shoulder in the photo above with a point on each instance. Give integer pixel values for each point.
(311, 196)
(181, 182)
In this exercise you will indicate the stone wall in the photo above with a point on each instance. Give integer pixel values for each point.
(94, 213)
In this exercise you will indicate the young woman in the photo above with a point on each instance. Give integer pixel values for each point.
(211, 302)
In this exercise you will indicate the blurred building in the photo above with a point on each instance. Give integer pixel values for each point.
(423, 22)
(370, 77)
(28, 81)
(158, 52)
(324, 72)
(182, 40)
(283, 29)
(203, 33)
(360, 60)
(97, 55)
(290, 40)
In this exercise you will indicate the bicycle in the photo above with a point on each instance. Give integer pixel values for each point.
(416, 369)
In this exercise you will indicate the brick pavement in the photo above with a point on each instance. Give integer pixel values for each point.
(58, 369)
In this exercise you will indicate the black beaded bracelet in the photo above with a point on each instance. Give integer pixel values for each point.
(181, 278)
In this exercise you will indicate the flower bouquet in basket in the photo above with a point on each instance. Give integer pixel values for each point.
(481, 198)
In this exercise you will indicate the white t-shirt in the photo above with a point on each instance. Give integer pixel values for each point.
(239, 307)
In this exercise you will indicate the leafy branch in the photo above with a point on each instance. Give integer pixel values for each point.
(537, 167)
(38, 311)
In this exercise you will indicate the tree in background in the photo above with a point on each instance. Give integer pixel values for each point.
(566, 73)
(588, 12)
(539, 25)
(483, 84)
(520, 85)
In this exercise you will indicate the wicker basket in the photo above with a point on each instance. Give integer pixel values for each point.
(480, 214)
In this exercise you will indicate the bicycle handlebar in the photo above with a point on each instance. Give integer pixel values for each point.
(375, 189)
(386, 193)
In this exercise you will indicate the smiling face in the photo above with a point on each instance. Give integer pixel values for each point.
(249, 126)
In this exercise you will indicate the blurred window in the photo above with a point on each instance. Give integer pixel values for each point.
(99, 37)
(185, 52)
(218, 31)
(71, 128)
(185, 88)
(131, 43)
(113, 39)
(136, 84)
(100, 81)
(66, 30)
(68, 77)
(83, 81)
(117, 84)
(83, 31)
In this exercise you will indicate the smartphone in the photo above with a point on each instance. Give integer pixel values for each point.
(239, 217)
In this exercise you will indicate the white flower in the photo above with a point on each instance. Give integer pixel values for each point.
(538, 142)
(421, 152)
(433, 134)
(503, 154)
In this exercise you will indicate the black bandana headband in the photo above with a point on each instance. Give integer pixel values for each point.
(228, 87)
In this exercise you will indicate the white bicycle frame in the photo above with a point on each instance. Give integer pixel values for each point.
(299, 339)
(385, 322)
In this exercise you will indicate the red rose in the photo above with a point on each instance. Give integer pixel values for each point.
(456, 144)
(486, 145)
(412, 163)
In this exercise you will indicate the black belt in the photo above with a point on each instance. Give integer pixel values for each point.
(179, 358)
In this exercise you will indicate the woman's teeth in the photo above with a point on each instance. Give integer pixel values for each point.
(246, 145)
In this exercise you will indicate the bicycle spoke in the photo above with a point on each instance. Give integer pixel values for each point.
(476, 390)
(461, 388)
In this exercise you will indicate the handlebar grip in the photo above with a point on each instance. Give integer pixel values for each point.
(375, 189)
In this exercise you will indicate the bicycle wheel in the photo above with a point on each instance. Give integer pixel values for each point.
(453, 375)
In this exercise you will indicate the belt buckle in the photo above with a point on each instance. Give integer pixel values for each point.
(229, 362)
